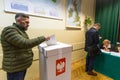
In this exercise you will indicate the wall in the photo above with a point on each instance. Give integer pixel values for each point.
(45, 26)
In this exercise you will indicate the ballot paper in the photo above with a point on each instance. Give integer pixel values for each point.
(111, 53)
(115, 54)
(104, 51)
(52, 40)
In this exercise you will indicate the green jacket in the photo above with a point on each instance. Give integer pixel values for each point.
(17, 48)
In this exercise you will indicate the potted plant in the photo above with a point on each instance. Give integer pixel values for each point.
(87, 22)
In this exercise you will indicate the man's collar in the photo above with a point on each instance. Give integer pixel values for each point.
(20, 27)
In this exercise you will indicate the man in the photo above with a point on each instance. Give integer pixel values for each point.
(91, 46)
(17, 48)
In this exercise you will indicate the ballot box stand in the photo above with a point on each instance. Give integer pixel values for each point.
(55, 61)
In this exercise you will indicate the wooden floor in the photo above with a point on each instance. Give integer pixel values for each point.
(78, 72)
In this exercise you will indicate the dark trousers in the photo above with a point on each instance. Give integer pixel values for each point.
(90, 62)
(16, 76)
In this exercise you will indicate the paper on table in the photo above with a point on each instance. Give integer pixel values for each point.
(52, 40)
(115, 53)
(112, 53)
(104, 51)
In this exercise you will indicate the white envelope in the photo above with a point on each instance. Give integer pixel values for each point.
(52, 40)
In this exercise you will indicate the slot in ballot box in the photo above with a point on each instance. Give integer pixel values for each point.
(55, 61)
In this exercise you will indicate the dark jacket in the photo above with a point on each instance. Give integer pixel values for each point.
(92, 41)
(17, 48)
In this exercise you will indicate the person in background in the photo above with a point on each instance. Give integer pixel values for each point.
(91, 47)
(17, 47)
(108, 47)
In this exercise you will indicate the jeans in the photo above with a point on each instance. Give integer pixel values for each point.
(16, 75)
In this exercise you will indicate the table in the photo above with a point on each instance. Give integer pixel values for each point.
(108, 65)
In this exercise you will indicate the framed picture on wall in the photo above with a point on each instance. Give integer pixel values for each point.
(73, 12)
(43, 8)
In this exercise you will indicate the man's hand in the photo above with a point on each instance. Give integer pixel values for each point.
(100, 37)
(47, 38)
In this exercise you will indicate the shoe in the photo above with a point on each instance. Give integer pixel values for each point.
(86, 70)
(91, 73)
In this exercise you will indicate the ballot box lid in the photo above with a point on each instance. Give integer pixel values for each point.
(55, 49)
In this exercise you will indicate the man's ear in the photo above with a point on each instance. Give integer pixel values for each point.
(18, 19)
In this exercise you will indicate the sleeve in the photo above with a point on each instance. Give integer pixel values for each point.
(13, 37)
(114, 48)
(96, 38)
(101, 46)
